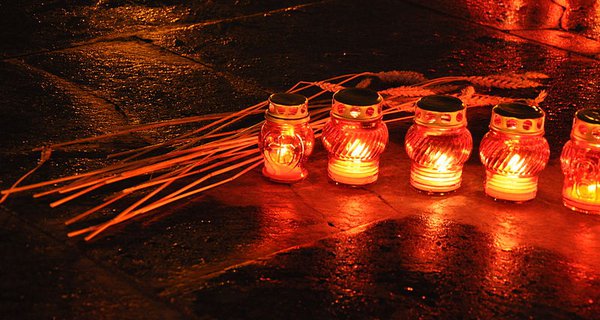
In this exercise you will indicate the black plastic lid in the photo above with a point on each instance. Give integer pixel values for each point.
(357, 97)
(518, 110)
(287, 99)
(440, 103)
(591, 115)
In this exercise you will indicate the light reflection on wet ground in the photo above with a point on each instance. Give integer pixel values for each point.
(400, 268)
(577, 16)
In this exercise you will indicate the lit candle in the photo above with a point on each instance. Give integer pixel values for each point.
(580, 162)
(514, 151)
(286, 139)
(438, 144)
(355, 136)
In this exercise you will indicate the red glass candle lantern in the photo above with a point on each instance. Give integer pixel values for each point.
(355, 136)
(438, 144)
(286, 139)
(580, 162)
(514, 151)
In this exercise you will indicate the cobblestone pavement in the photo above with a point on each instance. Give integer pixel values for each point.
(312, 250)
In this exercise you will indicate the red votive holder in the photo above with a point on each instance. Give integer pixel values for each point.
(514, 151)
(438, 144)
(580, 162)
(286, 138)
(355, 136)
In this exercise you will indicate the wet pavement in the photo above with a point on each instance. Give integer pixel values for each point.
(73, 69)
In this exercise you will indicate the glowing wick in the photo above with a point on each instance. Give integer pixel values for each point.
(285, 155)
(443, 162)
(357, 149)
(514, 165)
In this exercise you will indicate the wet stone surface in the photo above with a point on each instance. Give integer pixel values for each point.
(580, 17)
(38, 101)
(41, 277)
(403, 269)
(256, 249)
(148, 83)
(175, 250)
(32, 26)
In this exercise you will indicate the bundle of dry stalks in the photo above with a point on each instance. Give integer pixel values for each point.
(219, 151)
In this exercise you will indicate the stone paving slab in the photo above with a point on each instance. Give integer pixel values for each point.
(35, 100)
(39, 108)
(32, 26)
(201, 237)
(146, 82)
(563, 40)
(41, 277)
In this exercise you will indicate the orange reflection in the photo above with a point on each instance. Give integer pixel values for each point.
(506, 233)
(516, 14)
(429, 253)
(351, 264)
(267, 230)
(595, 18)
(513, 15)
(357, 211)
(502, 260)
(587, 242)
(587, 262)
(349, 268)
(582, 14)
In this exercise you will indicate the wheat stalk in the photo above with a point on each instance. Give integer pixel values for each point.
(364, 83)
(407, 91)
(503, 82)
(531, 75)
(404, 77)
(500, 81)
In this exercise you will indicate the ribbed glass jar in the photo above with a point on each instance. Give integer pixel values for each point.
(580, 162)
(355, 136)
(438, 144)
(286, 138)
(514, 151)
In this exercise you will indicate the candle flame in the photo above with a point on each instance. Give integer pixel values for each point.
(356, 149)
(591, 188)
(285, 155)
(515, 164)
(281, 154)
(585, 190)
(442, 163)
